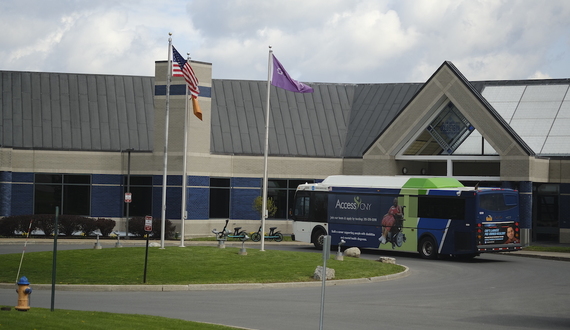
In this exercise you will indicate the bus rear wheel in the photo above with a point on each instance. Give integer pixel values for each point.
(318, 238)
(428, 248)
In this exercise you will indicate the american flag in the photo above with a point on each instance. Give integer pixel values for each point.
(185, 72)
(190, 78)
(176, 71)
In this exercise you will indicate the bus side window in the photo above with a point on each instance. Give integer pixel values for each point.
(320, 204)
(441, 208)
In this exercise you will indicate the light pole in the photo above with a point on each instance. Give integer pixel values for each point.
(128, 191)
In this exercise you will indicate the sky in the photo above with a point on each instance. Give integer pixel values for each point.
(332, 41)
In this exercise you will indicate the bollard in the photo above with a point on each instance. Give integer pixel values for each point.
(118, 244)
(24, 291)
(243, 251)
(221, 243)
(221, 238)
(339, 254)
(97, 245)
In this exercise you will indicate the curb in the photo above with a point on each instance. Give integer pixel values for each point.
(203, 287)
(544, 255)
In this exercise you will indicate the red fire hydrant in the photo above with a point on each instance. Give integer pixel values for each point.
(24, 291)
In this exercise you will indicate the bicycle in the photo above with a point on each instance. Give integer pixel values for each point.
(225, 234)
(273, 235)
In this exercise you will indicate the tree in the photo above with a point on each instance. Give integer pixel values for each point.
(258, 206)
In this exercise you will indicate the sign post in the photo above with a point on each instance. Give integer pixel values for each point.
(148, 229)
(128, 200)
(326, 256)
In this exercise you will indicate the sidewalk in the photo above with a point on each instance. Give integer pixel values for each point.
(108, 243)
(562, 256)
(132, 242)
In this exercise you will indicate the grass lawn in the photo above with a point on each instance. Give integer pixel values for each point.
(175, 265)
(60, 319)
(565, 249)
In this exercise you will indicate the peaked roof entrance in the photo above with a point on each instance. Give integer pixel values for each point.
(438, 119)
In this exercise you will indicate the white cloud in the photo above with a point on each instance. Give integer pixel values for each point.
(539, 75)
(318, 40)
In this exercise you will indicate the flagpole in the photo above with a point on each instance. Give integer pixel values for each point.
(167, 112)
(265, 180)
(184, 164)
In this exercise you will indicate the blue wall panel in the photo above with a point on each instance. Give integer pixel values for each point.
(173, 202)
(22, 199)
(22, 177)
(198, 181)
(198, 203)
(157, 202)
(5, 193)
(242, 204)
(115, 179)
(107, 201)
(246, 182)
(5, 176)
(525, 204)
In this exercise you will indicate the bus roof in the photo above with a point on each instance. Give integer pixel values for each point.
(365, 181)
(432, 183)
(372, 181)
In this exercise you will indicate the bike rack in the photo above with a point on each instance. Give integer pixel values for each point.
(118, 243)
(339, 254)
(223, 239)
(242, 251)
(97, 244)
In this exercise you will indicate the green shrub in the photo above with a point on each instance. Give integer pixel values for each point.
(69, 224)
(87, 226)
(45, 222)
(7, 227)
(105, 226)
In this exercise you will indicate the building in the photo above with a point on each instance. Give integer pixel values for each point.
(68, 139)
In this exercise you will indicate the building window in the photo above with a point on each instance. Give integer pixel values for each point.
(283, 194)
(546, 226)
(141, 190)
(71, 192)
(219, 198)
(443, 135)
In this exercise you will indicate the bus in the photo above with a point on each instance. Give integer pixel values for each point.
(430, 215)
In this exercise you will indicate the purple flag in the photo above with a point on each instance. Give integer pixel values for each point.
(281, 79)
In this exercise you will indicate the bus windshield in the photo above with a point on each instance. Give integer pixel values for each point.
(497, 202)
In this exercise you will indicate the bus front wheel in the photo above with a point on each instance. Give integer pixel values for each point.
(428, 248)
(318, 239)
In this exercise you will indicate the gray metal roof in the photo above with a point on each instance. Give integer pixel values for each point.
(343, 120)
(61, 111)
(337, 120)
(65, 111)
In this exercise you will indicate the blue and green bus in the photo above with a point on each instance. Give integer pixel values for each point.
(430, 215)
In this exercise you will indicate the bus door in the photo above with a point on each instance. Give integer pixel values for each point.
(446, 218)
